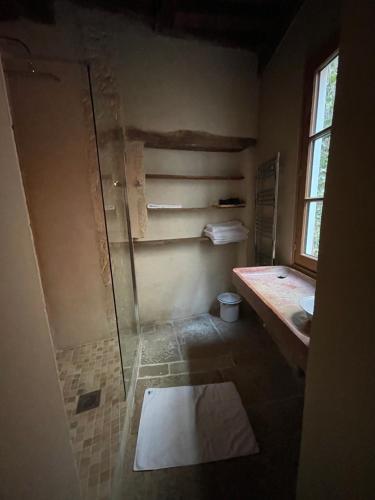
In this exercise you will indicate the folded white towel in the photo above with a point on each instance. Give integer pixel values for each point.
(226, 232)
(224, 226)
(223, 241)
(162, 205)
(232, 235)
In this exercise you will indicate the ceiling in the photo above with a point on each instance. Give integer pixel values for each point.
(256, 25)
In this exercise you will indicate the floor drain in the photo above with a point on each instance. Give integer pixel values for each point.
(88, 401)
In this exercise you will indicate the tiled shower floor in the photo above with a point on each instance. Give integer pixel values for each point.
(203, 350)
(95, 434)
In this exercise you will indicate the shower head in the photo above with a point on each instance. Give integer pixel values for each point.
(13, 39)
(32, 69)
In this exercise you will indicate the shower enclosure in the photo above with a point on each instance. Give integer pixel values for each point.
(42, 95)
(71, 151)
(112, 165)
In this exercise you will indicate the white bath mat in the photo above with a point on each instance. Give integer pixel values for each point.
(191, 425)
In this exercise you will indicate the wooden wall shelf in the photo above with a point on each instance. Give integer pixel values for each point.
(190, 140)
(196, 177)
(171, 240)
(186, 209)
(241, 205)
(200, 239)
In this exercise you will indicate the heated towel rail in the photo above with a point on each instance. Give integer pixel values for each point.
(266, 194)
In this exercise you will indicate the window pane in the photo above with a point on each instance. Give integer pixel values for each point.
(326, 91)
(312, 231)
(318, 166)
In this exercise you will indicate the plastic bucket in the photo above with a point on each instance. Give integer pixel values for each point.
(229, 306)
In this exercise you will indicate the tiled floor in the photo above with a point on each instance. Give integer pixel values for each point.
(205, 350)
(95, 433)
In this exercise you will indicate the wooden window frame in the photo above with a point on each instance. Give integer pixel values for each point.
(303, 261)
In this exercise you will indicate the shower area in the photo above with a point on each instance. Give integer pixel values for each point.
(71, 152)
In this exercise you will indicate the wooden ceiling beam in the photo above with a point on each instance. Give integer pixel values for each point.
(262, 11)
(164, 15)
(249, 24)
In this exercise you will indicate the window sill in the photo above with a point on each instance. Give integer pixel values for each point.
(304, 270)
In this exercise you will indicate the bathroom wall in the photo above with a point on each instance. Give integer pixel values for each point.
(154, 82)
(165, 85)
(182, 279)
(55, 140)
(36, 460)
(338, 439)
(280, 108)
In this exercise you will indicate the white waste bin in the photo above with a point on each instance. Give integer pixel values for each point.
(229, 306)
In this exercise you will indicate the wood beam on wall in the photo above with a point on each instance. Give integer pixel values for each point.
(189, 140)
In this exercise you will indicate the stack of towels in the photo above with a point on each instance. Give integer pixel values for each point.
(226, 232)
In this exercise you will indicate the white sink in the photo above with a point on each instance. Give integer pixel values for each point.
(308, 304)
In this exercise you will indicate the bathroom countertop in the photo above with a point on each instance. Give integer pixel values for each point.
(274, 292)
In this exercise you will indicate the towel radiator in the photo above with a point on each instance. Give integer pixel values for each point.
(266, 193)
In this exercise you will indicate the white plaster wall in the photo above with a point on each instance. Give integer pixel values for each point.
(168, 84)
(36, 460)
(338, 439)
(54, 134)
(280, 107)
(183, 279)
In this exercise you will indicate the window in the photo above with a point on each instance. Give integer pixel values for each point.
(321, 91)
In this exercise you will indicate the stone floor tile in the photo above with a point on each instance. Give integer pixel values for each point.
(153, 370)
(272, 396)
(202, 364)
(159, 351)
